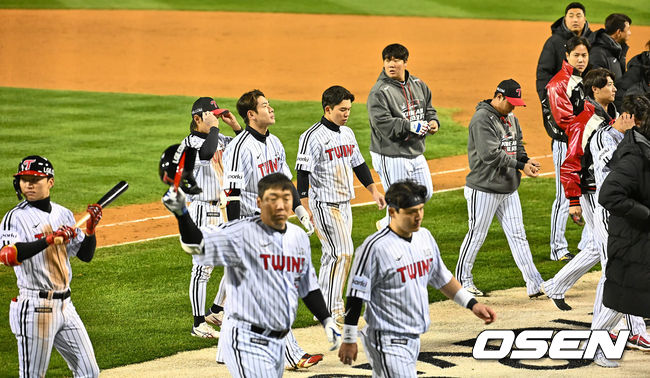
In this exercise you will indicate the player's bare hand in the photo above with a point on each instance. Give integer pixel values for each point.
(624, 122)
(231, 121)
(210, 119)
(576, 215)
(536, 164)
(380, 201)
(348, 353)
(434, 126)
(484, 312)
(530, 170)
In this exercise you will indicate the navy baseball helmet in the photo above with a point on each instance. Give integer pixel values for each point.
(169, 161)
(32, 165)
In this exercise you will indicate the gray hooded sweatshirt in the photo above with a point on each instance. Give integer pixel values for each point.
(391, 107)
(495, 151)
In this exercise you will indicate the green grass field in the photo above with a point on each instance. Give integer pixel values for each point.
(133, 298)
(597, 10)
(95, 140)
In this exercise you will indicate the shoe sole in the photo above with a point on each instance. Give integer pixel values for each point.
(637, 347)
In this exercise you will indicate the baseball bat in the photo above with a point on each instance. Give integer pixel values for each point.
(106, 200)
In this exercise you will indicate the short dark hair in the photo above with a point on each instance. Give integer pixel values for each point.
(575, 5)
(615, 22)
(248, 101)
(645, 127)
(636, 105)
(596, 78)
(576, 41)
(334, 95)
(274, 180)
(396, 51)
(403, 194)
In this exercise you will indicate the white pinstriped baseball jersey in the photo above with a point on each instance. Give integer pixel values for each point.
(246, 159)
(391, 274)
(208, 173)
(267, 270)
(329, 155)
(603, 144)
(50, 269)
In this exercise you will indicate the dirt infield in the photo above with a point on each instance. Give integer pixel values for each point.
(294, 57)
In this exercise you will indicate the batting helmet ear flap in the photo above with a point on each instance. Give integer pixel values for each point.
(17, 187)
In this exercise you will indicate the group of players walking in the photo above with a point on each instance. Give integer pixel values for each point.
(240, 195)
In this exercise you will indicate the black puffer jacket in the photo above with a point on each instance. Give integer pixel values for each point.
(636, 79)
(626, 194)
(607, 53)
(553, 53)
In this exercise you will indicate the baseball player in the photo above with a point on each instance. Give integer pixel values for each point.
(263, 251)
(496, 155)
(249, 157)
(204, 207)
(577, 177)
(43, 316)
(564, 100)
(401, 116)
(602, 147)
(391, 271)
(328, 153)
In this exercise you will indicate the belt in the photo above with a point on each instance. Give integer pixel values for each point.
(54, 295)
(213, 203)
(273, 334)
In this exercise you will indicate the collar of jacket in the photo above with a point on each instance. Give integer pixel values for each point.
(256, 134)
(608, 43)
(330, 125)
(43, 204)
(608, 115)
(199, 134)
(559, 27)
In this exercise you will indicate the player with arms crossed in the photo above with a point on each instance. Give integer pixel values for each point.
(401, 116)
(496, 154)
(43, 316)
(249, 157)
(328, 153)
(204, 207)
(391, 271)
(269, 266)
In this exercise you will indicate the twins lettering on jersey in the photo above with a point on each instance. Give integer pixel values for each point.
(416, 269)
(283, 263)
(268, 167)
(340, 151)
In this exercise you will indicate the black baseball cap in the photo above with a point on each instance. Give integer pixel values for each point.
(511, 90)
(207, 104)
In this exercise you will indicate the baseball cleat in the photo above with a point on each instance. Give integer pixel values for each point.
(614, 337)
(601, 361)
(561, 304)
(474, 291)
(214, 319)
(309, 360)
(205, 331)
(535, 295)
(638, 342)
(568, 257)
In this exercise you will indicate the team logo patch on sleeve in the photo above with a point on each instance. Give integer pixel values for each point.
(234, 178)
(360, 283)
(9, 237)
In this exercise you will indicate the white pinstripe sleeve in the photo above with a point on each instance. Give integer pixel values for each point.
(309, 281)
(304, 159)
(10, 233)
(220, 244)
(361, 274)
(235, 177)
(440, 275)
(357, 157)
(285, 167)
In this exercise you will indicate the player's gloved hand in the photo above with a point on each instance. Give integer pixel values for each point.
(175, 201)
(419, 127)
(303, 217)
(65, 233)
(332, 332)
(95, 212)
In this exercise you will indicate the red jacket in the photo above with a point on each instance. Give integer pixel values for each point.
(579, 131)
(565, 94)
